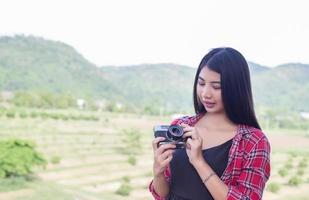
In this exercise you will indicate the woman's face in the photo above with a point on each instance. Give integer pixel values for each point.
(208, 90)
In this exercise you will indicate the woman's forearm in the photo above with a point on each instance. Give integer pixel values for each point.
(217, 188)
(161, 186)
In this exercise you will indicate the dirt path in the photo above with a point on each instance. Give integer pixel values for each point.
(15, 194)
(290, 142)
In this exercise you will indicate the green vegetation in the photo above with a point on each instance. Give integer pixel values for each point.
(50, 74)
(18, 157)
(131, 140)
(295, 181)
(303, 163)
(273, 187)
(23, 114)
(300, 172)
(132, 160)
(288, 165)
(43, 100)
(107, 159)
(55, 159)
(283, 172)
(125, 187)
(13, 183)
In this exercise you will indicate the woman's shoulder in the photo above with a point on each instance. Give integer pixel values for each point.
(186, 119)
(253, 138)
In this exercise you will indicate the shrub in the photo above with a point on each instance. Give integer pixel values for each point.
(10, 114)
(74, 117)
(23, 115)
(124, 189)
(273, 187)
(64, 117)
(2, 111)
(303, 163)
(55, 159)
(18, 157)
(300, 171)
(283, 172)
(44, 115)
(126, 179)
(295, 181)
(55, 116)
(293, 154)
(94, 118)
(131, 138)
(288, 165)
(132, 160)
(13, 183)
(33, 115)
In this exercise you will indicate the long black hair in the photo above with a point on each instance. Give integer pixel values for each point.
(235, 85)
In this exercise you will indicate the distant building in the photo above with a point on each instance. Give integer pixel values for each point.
(304, 115)
(81, 103)
(6, 95)
(119, 106)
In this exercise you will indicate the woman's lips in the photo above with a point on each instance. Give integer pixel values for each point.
(209, 104)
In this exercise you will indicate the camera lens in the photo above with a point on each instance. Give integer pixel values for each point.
(175, 132)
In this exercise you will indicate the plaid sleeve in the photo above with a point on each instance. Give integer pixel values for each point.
(255, 172)
(167, 175)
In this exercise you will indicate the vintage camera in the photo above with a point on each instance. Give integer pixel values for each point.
(173, 135)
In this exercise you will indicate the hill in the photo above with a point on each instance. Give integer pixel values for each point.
(30, 63)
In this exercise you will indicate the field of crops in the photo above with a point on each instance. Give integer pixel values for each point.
(94, 156)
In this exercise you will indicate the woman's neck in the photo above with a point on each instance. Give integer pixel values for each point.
(217, 121)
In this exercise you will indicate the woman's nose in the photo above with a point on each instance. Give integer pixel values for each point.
(206, 92)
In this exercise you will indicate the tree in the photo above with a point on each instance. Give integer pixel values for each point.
(18, 157)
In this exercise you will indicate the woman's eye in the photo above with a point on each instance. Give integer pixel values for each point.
(216, 86)
(201, 83)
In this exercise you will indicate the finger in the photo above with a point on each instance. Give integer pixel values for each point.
(188, 146)
(161, 158)
(156, 141)
(162, 148)
(188, 134)
(187, 128)
(166, 154)
(167, 161)
(189, 143)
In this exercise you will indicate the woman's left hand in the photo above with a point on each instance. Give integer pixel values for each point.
(193, 145)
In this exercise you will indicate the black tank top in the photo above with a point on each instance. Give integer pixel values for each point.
(186, 184)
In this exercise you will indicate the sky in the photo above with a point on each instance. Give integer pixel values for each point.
(131, 32)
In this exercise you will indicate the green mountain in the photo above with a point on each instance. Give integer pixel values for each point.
(35, 64)
(31, 63)
(285, 86)
(163, 85)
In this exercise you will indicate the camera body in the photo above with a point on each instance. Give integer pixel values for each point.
(173, 135)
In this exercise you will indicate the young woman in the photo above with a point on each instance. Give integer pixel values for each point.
(226, 154)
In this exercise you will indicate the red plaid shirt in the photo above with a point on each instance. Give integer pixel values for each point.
(248, 166)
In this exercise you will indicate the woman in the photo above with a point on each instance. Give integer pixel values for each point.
(226, 154)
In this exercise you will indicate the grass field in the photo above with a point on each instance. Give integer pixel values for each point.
(110, 157)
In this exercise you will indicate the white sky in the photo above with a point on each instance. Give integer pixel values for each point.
(125, 32)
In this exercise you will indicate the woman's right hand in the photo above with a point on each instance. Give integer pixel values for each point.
(162, 156)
